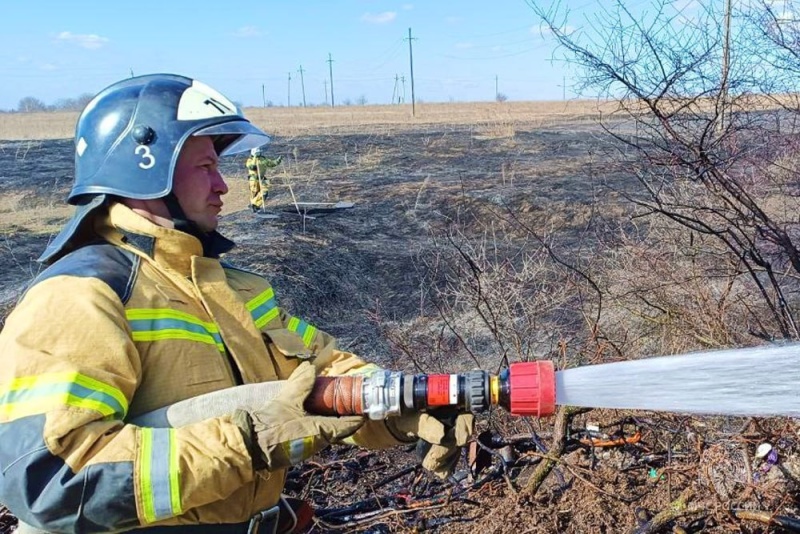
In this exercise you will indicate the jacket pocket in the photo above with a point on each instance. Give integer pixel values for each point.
(289, 344)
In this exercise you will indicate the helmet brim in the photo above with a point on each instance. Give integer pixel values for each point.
(245, 136)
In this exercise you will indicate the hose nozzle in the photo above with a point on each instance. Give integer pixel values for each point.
(525, 389)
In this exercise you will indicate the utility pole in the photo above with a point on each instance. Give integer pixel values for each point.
(131, 73)
(289, 92)
(263, 95)
(303, 85)
(726, 57)
(411, 63)
(326, 91)
(330, 69)
(496, 88)
(394, 90)
(403, 81)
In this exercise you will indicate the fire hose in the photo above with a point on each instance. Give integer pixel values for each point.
(524, 389)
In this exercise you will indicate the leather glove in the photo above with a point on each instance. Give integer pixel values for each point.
(442, 437)
(285, 434)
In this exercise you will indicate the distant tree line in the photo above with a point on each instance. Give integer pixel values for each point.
(31, 104)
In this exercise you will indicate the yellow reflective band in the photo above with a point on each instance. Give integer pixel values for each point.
(298, 450)
(174, 472)
(263, 308)
(159, 474)
(145, 475)
(161, 324)
(308, 336)
(166, 313)
(261, 299)
(174, 333)
(305, 330)
(30, 395)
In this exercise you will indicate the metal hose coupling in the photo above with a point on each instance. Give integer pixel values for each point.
(525, 389)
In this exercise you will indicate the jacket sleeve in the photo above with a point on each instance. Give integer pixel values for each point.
(68, 461)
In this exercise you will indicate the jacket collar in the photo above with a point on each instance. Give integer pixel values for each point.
(167, 246)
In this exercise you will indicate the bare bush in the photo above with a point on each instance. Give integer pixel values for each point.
(707, 145)
(488, 297)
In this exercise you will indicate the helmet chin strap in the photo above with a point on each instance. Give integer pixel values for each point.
(213, 243)
(179, 218)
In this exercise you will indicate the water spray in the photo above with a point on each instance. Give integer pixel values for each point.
(762, 381)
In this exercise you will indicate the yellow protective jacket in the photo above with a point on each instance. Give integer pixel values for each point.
(136, 320)
(260, 164)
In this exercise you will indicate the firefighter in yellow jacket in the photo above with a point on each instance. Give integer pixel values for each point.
(136, 312)
(257, 165)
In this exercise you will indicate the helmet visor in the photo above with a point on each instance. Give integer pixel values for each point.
(244, 134)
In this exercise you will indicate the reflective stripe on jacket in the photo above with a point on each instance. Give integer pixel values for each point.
(133, 322)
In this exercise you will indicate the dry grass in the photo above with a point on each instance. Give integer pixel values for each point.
(22, 211)
(498, 118)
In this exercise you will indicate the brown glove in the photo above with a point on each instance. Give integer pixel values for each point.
(441, 439)
(286, 435)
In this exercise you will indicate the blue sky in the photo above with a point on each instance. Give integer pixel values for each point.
(463, 49)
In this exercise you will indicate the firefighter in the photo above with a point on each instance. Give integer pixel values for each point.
(257, 165)
(134, 312)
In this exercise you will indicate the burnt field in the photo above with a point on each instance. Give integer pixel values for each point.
(425, 200)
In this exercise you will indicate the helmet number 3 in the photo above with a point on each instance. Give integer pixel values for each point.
(149, 159)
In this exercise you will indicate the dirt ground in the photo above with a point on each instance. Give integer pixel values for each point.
(337, 269)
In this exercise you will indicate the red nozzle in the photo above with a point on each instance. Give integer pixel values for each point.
(533, 388)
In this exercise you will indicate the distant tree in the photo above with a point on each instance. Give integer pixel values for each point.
(347, 102)
(361, 100)
(63, 104)
(71, 104)
(30, 104)
(83, 100)
(500, 97)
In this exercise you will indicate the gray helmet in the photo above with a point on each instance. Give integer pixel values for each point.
(257, 151)
(129, 136)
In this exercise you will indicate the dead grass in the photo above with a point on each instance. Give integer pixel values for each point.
(24, 211)
(498, 118)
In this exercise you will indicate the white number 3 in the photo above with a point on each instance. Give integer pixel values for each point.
(150, 159)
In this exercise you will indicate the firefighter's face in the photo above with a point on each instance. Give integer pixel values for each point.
(197, 183)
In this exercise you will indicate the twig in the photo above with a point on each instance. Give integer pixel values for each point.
(563, 419)
(790, 523)
(392, 478)
(677, 508)
(626, 500)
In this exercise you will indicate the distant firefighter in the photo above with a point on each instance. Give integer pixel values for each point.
(257, 165)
